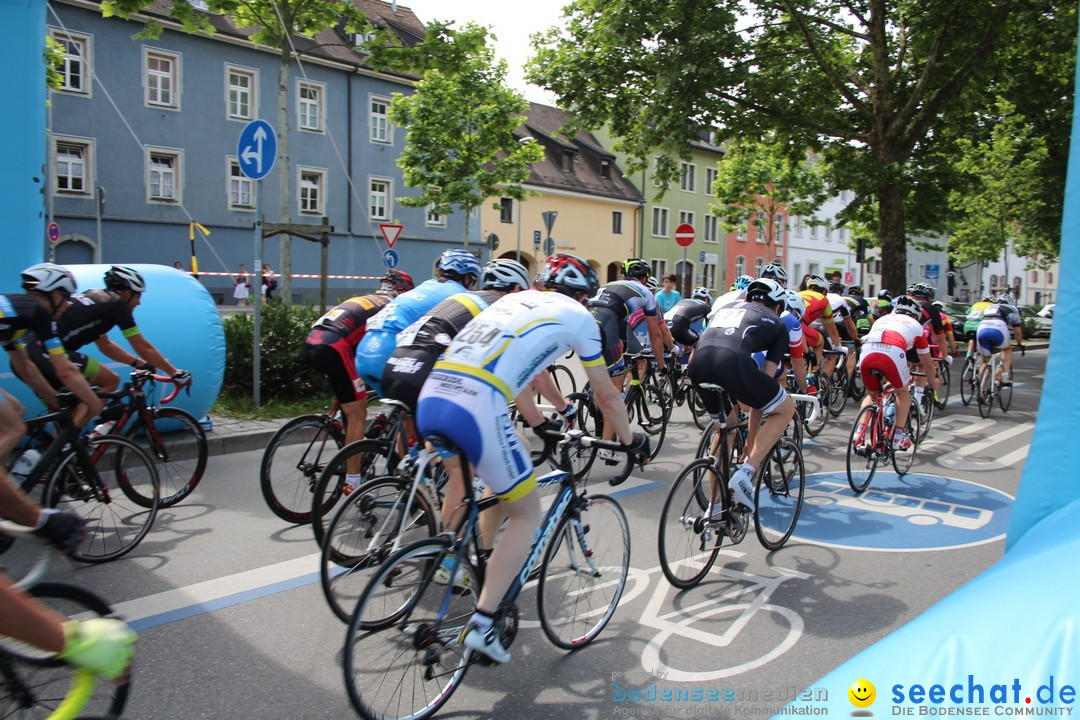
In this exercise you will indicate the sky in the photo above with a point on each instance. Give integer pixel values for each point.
(511, 22)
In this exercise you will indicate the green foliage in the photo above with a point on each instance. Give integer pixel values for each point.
(284, 375)
(460, 147)
(54, 63)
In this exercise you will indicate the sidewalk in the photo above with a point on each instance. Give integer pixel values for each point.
(231, 435)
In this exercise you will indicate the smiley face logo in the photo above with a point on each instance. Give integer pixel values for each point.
(862, 693)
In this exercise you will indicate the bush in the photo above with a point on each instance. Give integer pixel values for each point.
(284, 374)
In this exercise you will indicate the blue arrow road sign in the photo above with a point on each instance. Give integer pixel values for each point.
(257, 149)
(390, 259)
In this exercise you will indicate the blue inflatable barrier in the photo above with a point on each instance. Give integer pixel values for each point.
(177, 316)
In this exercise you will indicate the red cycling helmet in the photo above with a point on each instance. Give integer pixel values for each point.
(399, 280)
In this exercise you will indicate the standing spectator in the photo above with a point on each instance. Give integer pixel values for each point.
(178, 266)
(669, 296)
(269, 284)
(242, 282)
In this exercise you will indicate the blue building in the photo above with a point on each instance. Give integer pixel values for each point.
(143, 141)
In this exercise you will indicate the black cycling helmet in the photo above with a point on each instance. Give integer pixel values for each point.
(570, 275)
(119, 277)
(836, 288)
(636, 268)
(856, 290)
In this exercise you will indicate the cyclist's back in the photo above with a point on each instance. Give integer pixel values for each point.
(20, 313)
(92, 314)
(687, 320)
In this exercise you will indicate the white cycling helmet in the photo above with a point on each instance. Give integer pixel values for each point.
(46, 277)
(767, 291)
(459, 263)
(775, 271)
(504, 275)
(795, 303)
(124, 278)
(702, 294)
(905, 305)
(652, 283)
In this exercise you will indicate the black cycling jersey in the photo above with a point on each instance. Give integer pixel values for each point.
(436, 329)
(858, 306)
(747, 328)
(683, 316)
(348, 320)
(20, 313)
(90, 315)
(931, 314)
(623, 297)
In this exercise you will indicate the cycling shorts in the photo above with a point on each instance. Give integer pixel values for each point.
(813, 337)
(38, 355)
(371, 356)
(405, 373)
(890, 360)
(472, 414)
(992, 336)
(335, 361)
(738, 374)
(611, 340)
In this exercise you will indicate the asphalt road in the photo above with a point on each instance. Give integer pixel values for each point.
(233, 624)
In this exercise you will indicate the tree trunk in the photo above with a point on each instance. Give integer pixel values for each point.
(284, 175)
(893, 245)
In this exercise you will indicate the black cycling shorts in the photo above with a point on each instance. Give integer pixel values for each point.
(88, 366)
(737, 374)
(337, 361)
(612, 339)
(405, 373)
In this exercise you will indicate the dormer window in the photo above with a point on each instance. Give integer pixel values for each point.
(605, 169)
(358, 39)
(567, 161)
(199, 4)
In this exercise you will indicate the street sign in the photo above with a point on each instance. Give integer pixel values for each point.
(933, 272)
(53, 232)
(549, 219)
(708, 257)
(684, 235)
(493, 241)
(549, 246)
(849, 277)
(391, 233)
(390, 259)
(536, 239)
(256, 151)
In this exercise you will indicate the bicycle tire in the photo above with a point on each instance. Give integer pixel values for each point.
(564, 379)
(395, 623)
(902, 460)
(1004, 393)
(838, 390)
(653, 412)
(778, 494)
(105, 496)
(299, 451)
(364, 532)
(329, 488)
(45, 681)
(180, 453)
(927, 404)
(576, 596)
(697, 408)
(681, 540)
(824, 389)
(872, 441)
(967, 381)
(856, 387)
(944, 380)
(986, 389)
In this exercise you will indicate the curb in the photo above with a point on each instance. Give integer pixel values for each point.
(238, 442)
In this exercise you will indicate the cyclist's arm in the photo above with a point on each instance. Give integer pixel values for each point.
(23, 618)
(610, 402)
(114, 352)
(150, 354)
(527, 407)
(545, 385)
(853, 331)
(28, 372)
(656, 340)
(665, 332)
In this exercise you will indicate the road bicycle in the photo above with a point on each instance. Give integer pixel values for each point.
(109, 481)
(942, 369)
(172, 436)
(968, 383)
(403, 653)
(990, 387)
(837, 389)
(33, 683)
(809, 408)
(681, 390)
(871, 439)
(700, 510)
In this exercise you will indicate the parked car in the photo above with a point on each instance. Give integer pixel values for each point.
(1036, 324)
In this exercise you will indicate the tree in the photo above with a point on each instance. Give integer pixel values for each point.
(460, 147)
(762, 181)
(1001, 208)
(866, 84)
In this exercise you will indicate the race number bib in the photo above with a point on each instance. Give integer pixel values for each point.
(476, 339)
(377, 321)
(728, 318)
(407, 336)
(328, 318)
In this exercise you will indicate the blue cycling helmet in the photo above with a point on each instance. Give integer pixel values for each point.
(742, 282)
(459, 264)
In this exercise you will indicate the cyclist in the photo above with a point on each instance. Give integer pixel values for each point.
(950, 330)
(792, 318)
(886, 349)
(819, 307)
(637, 340)
(924, 295)
(846, 328)
(49, 289)
(464, 400)
(724, 356)
(686, 319)
(971, 322)
(997, 320)
(736, 293)
(330, 348)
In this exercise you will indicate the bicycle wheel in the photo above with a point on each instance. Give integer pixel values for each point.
(778, 496)
(927, 415)
(589, 421)
(856, 388)
(838, 392)
(985, 392)
(329, 488)
(942, 398)
(861, 468)
(697, 408)
(1004, 396)
(374, 521)
(403, 658)
(564, 379)
(177, 441)
(903, 459)
(823, 393)
(967, 381)
(688, 543)
(584, 571)
(33, 685)
(103, 494)
(293, 460)
(652, 412)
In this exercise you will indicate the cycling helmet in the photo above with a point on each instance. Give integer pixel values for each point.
(1005, 299)
(119, 277)
(816, 282)
(939, 305)
(856, 290)
(907, 306)
(504, 275)
(987, 298)
(397, 281)
(46, 277)
(768, 292)
(636, 268)
(836, 288)
(921, 290)
(775, 271)
(795, 303)
(702, 294)
(652, 283)
(742, 282)
(885, 295)
(459, 263)
(570, 275)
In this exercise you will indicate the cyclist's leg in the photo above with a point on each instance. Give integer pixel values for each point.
(12, 428)
(95, 373)
(335, 360)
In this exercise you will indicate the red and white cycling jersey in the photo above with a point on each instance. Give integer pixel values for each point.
(898, 331)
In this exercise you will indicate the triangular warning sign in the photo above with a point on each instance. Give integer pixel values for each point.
(391, 233)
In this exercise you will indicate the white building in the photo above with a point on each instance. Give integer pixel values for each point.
(817, 247)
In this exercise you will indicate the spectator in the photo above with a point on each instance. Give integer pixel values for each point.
(242, 283)
(669, 296)
(178, 266)
(269, 284)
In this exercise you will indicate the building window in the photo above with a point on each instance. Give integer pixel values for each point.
(1034, 276)
(379, 194)
(687, 176)
(659, 267)
(740, 265)
(241, 188)
(687, 217)
(712, 229)
(75, 75)
(797, 274)
(72, 168)
(811, 269)
(605, 169)
(813, 232)
(657, 183)
(710, 180)
(310, 106)
(434, 219)
(828, 233)
(312, 198)
(616, 222)
(659, 222)
(240, 99)
(379, 119)
(778, 231)
(708, 275)
(567, 161)
(163, 175)
(506, 210)
(161, 78)
(759, 264)
(909, 278)
(759, 227)
(1049, 277)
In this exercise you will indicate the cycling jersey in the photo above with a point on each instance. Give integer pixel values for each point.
(687, 320)
(91, 315)
(994, 332)
(931, 315)
(974, 314)
(795, 341)
(817, 306)
(20, 313)
(380, 340)
(330, 347)
(885, 348)
(899, 331)
(732, 296)
(486, 365)
(611, 307)
(858, 307)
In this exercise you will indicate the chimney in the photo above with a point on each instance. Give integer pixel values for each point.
(393, 6)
